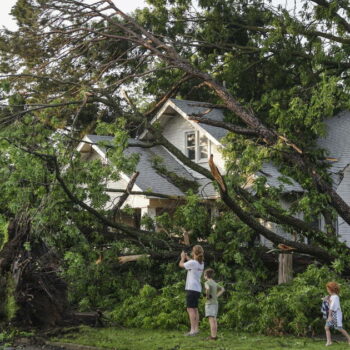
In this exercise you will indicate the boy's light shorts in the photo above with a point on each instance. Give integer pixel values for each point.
(332, 324)
(211, 310)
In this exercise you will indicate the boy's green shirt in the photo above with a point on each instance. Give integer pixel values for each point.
(213, 291)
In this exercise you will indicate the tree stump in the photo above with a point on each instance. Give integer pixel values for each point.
(285, 268)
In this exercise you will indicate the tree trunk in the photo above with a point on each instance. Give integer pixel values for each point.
(285, 268)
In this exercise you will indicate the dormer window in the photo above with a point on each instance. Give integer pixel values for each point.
(191, 145)
(203, 147)
(196, 146)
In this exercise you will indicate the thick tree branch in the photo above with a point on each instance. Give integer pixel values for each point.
(341, 20)
(260, 229)
(245, 217)
(167, 95)
(148, 193)
(279, 216)
(228, 126)
(125, 195)
(168, 145)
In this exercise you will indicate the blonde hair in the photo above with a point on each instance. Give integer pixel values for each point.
(198, 253)
(333, 287)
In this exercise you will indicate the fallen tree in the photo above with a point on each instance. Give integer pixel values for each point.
(276, 90)
(30, 280)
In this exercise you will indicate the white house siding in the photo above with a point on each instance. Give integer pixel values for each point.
(344, 191)
(215, 150)
(278, 228)
(133, 201)
(175, 130)
(217, 156)
(93, 156)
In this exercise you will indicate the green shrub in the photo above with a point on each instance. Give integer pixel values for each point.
(292, 308)
(163, 309)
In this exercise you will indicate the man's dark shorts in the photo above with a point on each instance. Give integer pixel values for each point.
(192, 299)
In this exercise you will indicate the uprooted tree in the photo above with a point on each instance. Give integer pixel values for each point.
(277, 76)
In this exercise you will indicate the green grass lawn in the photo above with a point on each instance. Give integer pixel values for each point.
(140, 339)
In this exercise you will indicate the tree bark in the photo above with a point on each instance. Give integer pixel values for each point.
(285, 268)
(29, 273)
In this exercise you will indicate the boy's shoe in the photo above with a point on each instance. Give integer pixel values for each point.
(212, 338)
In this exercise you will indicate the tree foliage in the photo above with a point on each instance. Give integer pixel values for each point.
(77, 67)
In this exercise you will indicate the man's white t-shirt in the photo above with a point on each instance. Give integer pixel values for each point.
(334, 305)
(194, 273)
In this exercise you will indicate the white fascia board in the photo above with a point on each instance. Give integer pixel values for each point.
(102, 154)
(82, 143)
(196, 125)
(127, 179)
(95, 147)
(157, 116)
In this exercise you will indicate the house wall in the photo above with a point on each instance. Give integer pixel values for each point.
(344, 191)
(133, 201)
(175, 130)
(93, 156)
(215, 150)
(278, 228)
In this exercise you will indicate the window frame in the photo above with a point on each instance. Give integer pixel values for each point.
(197, 151)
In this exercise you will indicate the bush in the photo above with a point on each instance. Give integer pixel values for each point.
(292, 308)
(163, 309)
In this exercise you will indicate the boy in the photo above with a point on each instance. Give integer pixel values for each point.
(212, 305)
(335, 315)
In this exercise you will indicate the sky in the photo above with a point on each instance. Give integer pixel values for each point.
(125, 5)
(6, 5)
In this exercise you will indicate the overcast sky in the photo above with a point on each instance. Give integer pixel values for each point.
(125, 5)
(6, 5)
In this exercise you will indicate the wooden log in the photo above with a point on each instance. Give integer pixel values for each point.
(93, 318)
(129, 258)
(285, 268)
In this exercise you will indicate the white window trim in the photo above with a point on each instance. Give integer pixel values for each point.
(195, 143)
(197, 148)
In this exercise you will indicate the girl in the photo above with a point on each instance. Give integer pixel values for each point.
(193, 286)
(335, 315)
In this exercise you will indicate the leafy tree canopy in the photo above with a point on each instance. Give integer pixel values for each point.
(78, 67)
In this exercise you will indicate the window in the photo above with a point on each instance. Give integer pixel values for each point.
(191, 145)
(196, 146)
(203, 147)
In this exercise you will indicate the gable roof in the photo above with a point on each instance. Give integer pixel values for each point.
(193, 107)
(185, 109)
(273, 179)
(149, 179)
(336, 143)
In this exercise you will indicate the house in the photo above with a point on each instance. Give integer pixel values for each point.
(194, 140)
(337, 146)
(162, 173)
